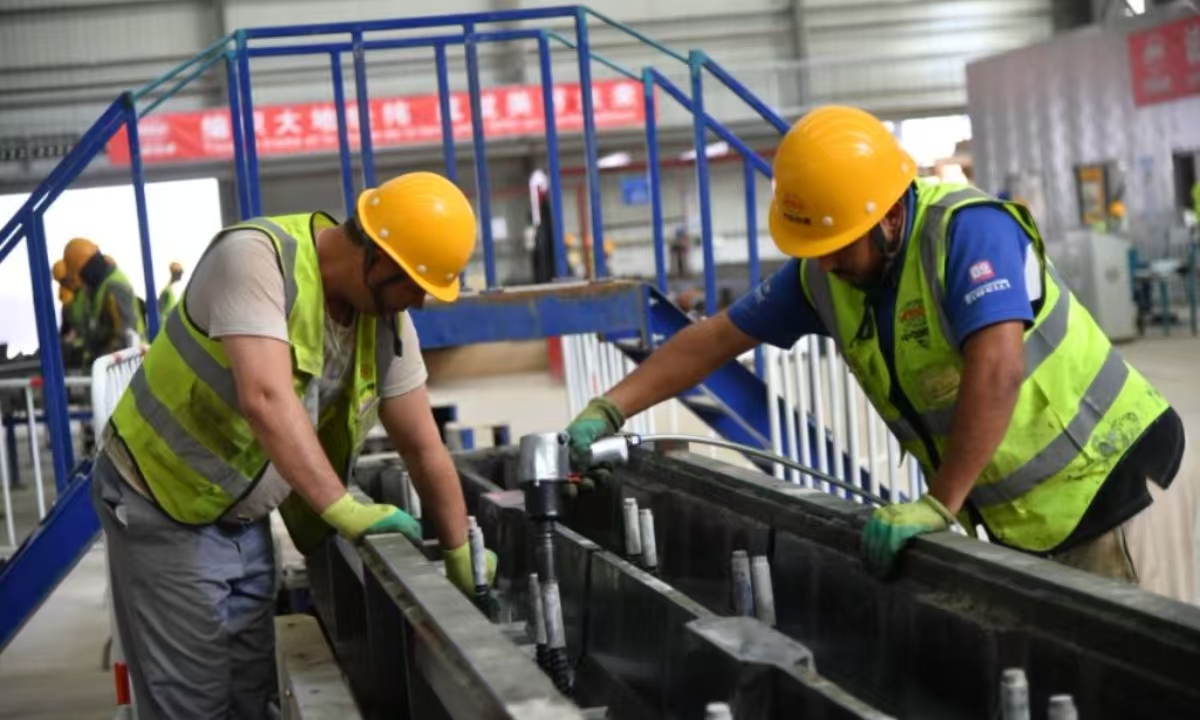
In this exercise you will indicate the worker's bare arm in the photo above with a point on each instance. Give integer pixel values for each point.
(993, 370)
(262, 369)
(409, 422)
(682, 362)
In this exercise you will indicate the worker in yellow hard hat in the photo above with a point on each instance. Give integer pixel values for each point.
(73, 326)
(292, 341)
(166, 298)
(1023, 416)
(116, 318)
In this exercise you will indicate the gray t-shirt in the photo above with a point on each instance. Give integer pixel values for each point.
(237, 289)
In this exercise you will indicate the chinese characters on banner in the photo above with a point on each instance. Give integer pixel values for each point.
(1165, 61)
(293, 129)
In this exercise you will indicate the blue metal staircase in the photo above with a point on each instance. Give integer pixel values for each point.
(634, 314)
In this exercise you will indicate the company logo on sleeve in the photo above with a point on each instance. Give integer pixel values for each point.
(994, 286)
(981, 271)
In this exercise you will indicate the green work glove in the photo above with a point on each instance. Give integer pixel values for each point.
(353, 519)
(598, 420)
(458, 568)
(891, 527)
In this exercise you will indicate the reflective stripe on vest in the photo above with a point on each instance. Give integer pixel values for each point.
(1080, 406)
(200, 453)
(1099, 398)
(181, 419)
(189, 450)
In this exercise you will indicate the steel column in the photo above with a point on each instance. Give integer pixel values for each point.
(655, 181)
(54, 395)
(250, 137)
(443, 83)
(556, 202)
(482, 185)
(589, 143)
(749, 179)
(339, 103)
(239, 139)
(366, 150)
(139, 198)
(699, 131)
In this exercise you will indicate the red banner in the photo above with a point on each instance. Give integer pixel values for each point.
(291, 129)
(1165, 61)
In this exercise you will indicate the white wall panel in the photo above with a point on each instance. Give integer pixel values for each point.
(1044, 109)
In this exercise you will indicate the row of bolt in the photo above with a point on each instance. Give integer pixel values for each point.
(641, 545)
(1014, 699)
(753, 593)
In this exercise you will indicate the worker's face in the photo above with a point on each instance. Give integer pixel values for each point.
(860, 263)
(389, 289)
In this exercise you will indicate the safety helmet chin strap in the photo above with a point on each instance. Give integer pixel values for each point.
(370, 257)
(889, 250)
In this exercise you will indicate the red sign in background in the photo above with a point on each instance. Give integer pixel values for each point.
(1165, 61)
(312, 127)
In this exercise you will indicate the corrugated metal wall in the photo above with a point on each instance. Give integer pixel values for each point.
(60, 60)
(1043, 110)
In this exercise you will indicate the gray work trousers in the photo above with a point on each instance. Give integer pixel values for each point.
(194, 607)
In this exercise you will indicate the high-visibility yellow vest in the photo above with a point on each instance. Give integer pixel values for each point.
(180, 416)
(166, 301)
(115, 294)
(1080, 407)
(77, 312)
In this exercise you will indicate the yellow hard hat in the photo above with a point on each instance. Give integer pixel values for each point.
(1117, 209)
(59, 270)
(65, 295)
(425, 223)
(837, 173)
(77, 253)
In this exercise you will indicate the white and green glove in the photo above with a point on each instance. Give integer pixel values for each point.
(892, 526)
(458, 568)
(354, 520)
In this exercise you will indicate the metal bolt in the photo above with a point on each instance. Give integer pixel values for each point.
(743, 592)
(1062, 707)
(633, 536)
(718, 711)
(764, 591)
(1014, 695)
(649, 541)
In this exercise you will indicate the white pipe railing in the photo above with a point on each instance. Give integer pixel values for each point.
(812, 369)
(592, 367)
(9, 523)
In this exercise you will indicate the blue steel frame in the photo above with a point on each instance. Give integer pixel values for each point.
(626, 309)
(236, 50)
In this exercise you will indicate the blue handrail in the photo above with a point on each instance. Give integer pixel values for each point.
(237, 48)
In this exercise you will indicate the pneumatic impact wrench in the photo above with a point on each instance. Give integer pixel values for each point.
(542, 473)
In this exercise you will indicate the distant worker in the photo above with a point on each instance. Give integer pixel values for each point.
(166, 298)
(295, 340)
(72, 329)
(1023, 416)
(1116, 217)
(116, 319)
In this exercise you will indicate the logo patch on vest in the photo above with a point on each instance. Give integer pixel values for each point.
(941, 385)
(913, 324)
(981, 271)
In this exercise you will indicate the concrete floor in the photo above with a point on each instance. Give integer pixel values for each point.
(52, 669)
